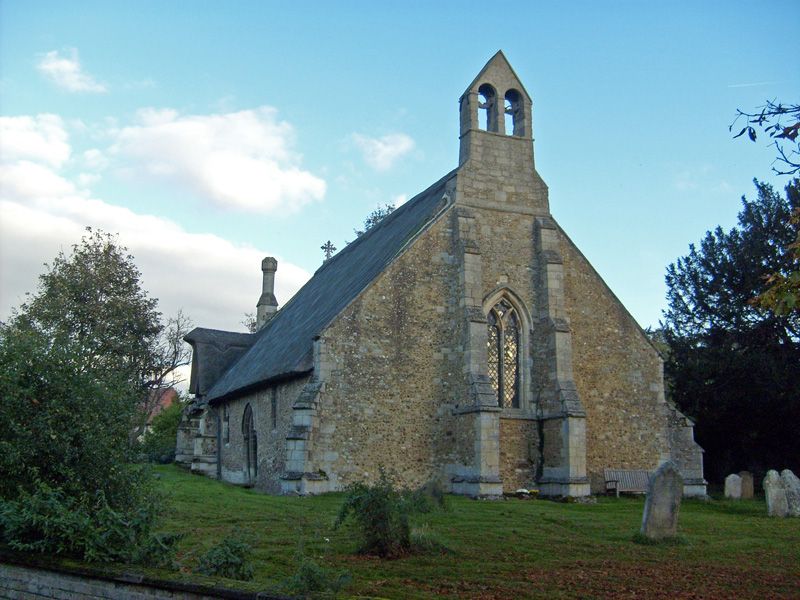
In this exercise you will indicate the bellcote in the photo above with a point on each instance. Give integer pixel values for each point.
(496, 103)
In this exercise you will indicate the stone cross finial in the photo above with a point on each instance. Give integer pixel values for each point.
(328, 249)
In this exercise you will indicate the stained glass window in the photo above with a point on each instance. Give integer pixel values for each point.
(503, 353)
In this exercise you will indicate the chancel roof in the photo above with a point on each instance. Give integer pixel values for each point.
(284, 347)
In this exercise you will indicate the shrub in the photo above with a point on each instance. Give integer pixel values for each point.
(314, 580)
(68, 485)
(425, 541)
(230, 558)
(48, 521)
(382, 512)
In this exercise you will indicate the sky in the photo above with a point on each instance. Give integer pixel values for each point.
(208, 135)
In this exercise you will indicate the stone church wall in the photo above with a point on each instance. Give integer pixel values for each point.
(618, 375)
(395, 358)
(519, 453)
(271, 441)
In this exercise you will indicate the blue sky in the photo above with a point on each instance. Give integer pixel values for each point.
(210, 134)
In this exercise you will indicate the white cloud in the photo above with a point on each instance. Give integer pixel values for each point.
(212, 279)
(87, 179)
(382, 153)
(66, 72)
(242, 160)
(94, 159)
(399, 200)
(42, 138)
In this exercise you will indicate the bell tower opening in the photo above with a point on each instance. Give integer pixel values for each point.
(496, 103)
(514, 114)
(487, 108)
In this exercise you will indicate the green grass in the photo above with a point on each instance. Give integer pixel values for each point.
(502, 549)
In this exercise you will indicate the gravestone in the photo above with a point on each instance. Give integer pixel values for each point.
(660, 518)
(747, 484)
(775, 493)
(792, 486)
(733, 487)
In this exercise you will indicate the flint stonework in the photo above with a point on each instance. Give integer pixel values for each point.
(747, 485)
(791, 484)
(660, 518)
(384, 357)
(733, 487)
(775, 493)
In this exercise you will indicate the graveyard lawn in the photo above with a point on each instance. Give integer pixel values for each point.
(501, 549)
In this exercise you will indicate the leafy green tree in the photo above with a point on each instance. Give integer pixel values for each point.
(92, 301)
(782, 295)
(75, 360)
(375, 217)
(732, 366)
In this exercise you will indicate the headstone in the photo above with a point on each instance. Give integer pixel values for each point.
(660, 518)
(775, 493)
(791, 484)
(747, 485)
(733, 487)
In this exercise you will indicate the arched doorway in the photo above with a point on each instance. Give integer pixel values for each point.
(250, 446)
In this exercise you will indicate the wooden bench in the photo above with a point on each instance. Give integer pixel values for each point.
(626, 480)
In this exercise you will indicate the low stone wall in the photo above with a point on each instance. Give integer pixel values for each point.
(20, 581)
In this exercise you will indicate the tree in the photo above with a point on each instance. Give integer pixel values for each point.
(782, 295)
(158, 444)
(375, 217)
(169, 352)
(76, 361)
(93, 302)
(250, 322)
(779, 122)
(732, 366)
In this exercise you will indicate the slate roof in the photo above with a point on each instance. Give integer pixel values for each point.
(283, 348)
(213, 352)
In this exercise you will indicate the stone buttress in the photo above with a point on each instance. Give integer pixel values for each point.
(497, 184)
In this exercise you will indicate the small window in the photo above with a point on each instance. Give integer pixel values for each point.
(487, 110)
(514, 122)
(274, 407)
(226, 424)
(250, 445)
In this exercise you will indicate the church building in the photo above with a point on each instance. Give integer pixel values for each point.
(464, 339)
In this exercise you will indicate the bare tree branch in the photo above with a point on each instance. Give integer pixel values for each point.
(781, 123)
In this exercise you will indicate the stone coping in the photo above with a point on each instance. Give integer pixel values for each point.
(124, 576)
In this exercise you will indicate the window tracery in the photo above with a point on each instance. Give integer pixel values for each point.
(504, 353)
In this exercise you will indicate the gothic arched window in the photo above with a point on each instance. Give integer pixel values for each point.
(504, 353)
(250, 445)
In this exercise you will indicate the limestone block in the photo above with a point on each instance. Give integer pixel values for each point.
(775, 493)
(660, 517)
(791, 484)
(733, 487)
(747, 484)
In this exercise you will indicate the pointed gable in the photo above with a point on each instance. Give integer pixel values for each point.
(284, 347)
(497, 69)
